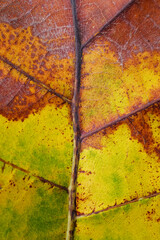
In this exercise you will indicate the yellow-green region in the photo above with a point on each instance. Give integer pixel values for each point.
(136, 221)
(30, 209)
(41, 143)
(120, 163)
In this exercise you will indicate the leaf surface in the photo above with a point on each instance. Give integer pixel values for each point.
(79, 119)
(94, 15)
(120, 70)
(120, 163)
(138, 220)
(29, 208)
(42, 143)
(43, 30)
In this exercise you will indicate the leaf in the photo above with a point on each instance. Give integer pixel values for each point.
(79, 119)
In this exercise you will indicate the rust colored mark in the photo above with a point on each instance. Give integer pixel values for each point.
(85, 172)
(82, 198)
(9, 86)
(93, 15)
(95, 142)
(150, 214)
(16, 91)
(140, 126)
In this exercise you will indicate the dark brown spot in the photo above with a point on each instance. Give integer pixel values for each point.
(3, 36)
(1, 73)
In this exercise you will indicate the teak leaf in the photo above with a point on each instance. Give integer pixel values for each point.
(79, 119)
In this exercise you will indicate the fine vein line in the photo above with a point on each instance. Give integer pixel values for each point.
(76, 129)
(34, 175)
(31, 78)
(154, 194)
(145, 106)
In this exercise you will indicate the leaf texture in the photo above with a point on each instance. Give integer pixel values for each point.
(79, 119)
(120, 163)
(29, 208)
(127, 55)
(139, 220)
(94, 15)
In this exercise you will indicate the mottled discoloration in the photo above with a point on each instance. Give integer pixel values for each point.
(28, 99)
(135, 31)
(120, 77)
(41, 142)
(120, 163)
(30, 54)
(51, 21)
(121, 70)
(21, 93)
(33, 45)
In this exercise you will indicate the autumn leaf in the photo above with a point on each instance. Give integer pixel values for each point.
(79, 119)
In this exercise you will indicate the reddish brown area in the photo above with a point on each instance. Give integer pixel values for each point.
(9, 87)
(142, 131)
(93, 15)
(95, 140)
(24, 102)
(135, 30)
(20, 96)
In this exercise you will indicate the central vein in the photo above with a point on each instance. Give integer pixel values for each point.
(76, 128)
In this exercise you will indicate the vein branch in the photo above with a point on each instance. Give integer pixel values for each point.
(31, 78)
(34, 175)
(76, 129)
(145, 106)
(107, 23)
(154, 194)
